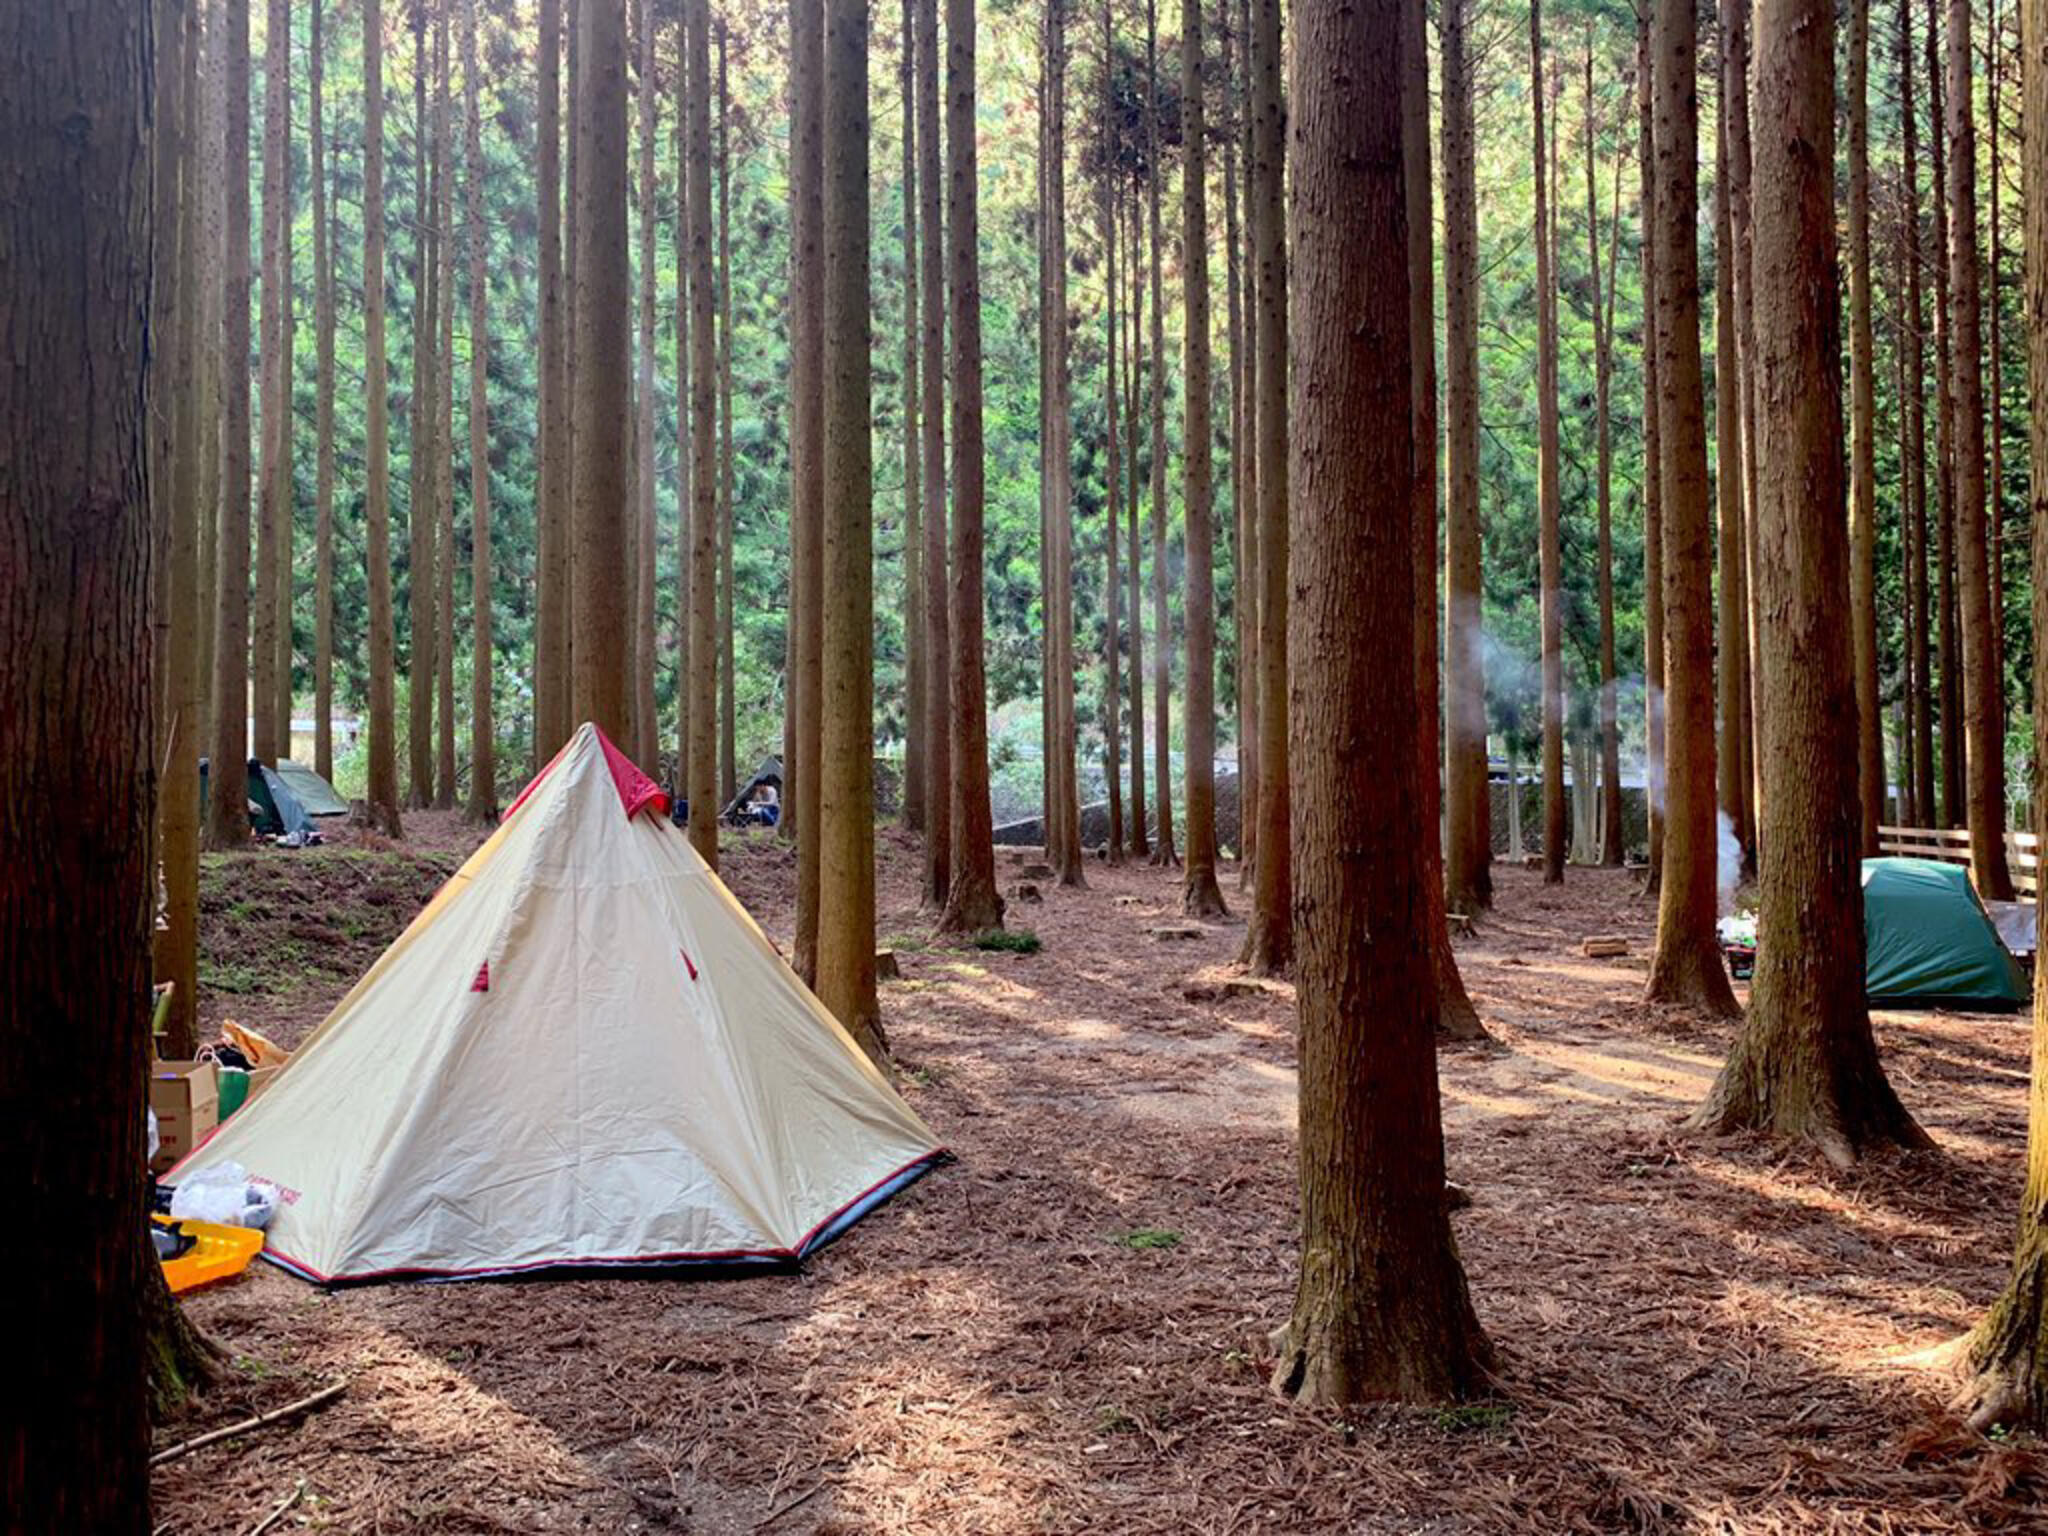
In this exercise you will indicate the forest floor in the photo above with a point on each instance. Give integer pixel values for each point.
(1065, 1330)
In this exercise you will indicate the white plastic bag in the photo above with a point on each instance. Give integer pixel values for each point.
(225, 1196)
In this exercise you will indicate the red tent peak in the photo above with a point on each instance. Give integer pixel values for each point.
(636, 790)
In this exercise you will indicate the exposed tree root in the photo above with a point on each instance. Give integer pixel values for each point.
(1203, 898)
(1690, 974)
(181, 1359)
(2006, 1356)
(1339, 1350)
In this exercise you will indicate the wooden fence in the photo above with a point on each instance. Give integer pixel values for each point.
(1952, 846)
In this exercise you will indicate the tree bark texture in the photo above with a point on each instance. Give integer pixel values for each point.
(1550, 548)
(483, 745)
(700, 777)
(807, 451)
(382, 796)
(1870, 778)
(1653, 479)
(938, 748)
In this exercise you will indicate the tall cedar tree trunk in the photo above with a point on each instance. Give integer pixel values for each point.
(1468, 862)
(806, 452)
(685, 439)
(323, 430)
(444, 430)
(1919, 644)
(1612, 851)
(1748, 702)
(1244, 611)
(938, 747)
(2009, 1349)
(728, 748)
(1686, 967)
(1862, 447)
(846, 791)
(1456, 1018)
(1550, 559)
(1269, 934)
(1200, 896)
(1994, 325)
(916, 687)
(1162, 648)
(273, 475)
(281, 590)
(212, 181)
(701, 772)
(423, 415)
(382, 797)
(1653, 479)
(77, 892)
(1134, 368)
(1731, 560)
(227, 817)
(483, 747)
(1113, 449)
(1984, 715)
(1805, 1064)
(175, 390)
(972, 903)
(552, 516)
(1954, 778)
(603, 354)
(645, 745)
(1381, 1309)
(1064, 832)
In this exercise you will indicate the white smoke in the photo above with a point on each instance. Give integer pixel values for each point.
(1727, 862)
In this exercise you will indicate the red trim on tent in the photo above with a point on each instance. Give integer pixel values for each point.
(483, 978)
(636, 790)
(689, 962)
(734, 1255)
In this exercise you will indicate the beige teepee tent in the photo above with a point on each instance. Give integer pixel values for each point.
(582, 1052)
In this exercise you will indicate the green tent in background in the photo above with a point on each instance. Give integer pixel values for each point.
(314, 792)
(1927, 940)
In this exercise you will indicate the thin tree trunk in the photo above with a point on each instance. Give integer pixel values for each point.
(444, 428)
(1134, 367)
(1862, 445)
(1200, 895)
(846, 800)
(1653, 479)
(323, 492)
(602, 356)
(1920, 693)
(1805, 1064)
(423, 416)
(807, 439)
(1985, 718)
(728, 732)
(1612, 853)
(227, 817)
(382, 796)
(916, 686)
(645, 745)
(483, 755)
(1269, 934)
(1686, 967)
(552, 692)
(701, 768)
(1548, 497)
(1954, 778)
(1456, 1018)
(1994, 281)
(1064, 832)
(1468, 866)
(1381, 1309)
(77, 891)
(938, 749)
(972, 903)
(1162, 649)
(2008, 1351)
(1113, 447)
(211, 128)
(273, 477)
(1244, 514)
(686, 445)
(176, 389)
(1749, 702)
(1731, 561)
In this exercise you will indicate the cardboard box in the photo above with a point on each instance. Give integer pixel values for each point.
(186, 1098)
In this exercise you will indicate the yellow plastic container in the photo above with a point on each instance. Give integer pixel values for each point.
(217, 1253)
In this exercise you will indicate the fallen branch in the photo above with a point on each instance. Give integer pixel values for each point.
(319, 1399)
(277, 1514)
(796, 1503)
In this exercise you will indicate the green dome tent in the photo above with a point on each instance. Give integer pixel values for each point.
(1928, 941)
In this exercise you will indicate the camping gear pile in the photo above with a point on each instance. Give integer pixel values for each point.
(284, 800)
(189, 1098)
(581, 1052)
